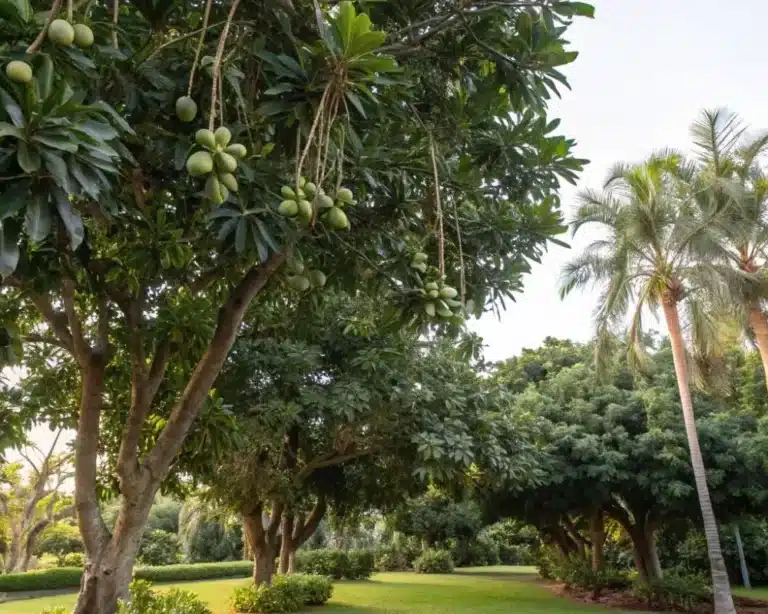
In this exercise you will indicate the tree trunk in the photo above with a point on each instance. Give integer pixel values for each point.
(263, 564)
(720, 584)
(759, 325)
(109, 568)
(597, 535)
(261, 533)
(742, 558)
(644, 547)
(287, 546)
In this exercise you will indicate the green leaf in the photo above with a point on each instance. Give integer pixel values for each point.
(344, 23)
(71, 218)
(279, 89)
(100, 131)
(88, 182)
(9, 251)
(7, 129)
(12, 108)
(56, 142)
(28, 158)
(56, 166)
(122, 124)
(21, 8)
(44, 73)
(222, 212)
(13, 199)
(365, 43)
(353, 98)
(578, 9)
(226, 228)
(240, 235)
(38, 217)
(265, 234)
(260, 247)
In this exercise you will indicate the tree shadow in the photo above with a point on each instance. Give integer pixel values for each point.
(343, 608)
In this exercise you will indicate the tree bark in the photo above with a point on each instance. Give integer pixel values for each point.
(287, 546)
(597, 535)
(720, 584)
(261, 534)
(759, 325)
(742, 559)
(296, 530)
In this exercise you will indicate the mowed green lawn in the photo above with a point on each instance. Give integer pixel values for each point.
(493, 590)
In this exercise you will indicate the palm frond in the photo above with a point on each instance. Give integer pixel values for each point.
(715, 135)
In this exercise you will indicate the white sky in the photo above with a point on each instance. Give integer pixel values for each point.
(645, 69)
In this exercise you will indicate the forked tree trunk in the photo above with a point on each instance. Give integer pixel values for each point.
(287, 546)
(597, 536)
(759, 325)
(296, 530)
(720, 584)
(261, 534)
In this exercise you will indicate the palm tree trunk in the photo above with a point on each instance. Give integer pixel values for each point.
(720, 584)
(759, 325)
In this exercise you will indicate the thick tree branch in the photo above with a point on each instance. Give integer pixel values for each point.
(330, 460)
(55, 319)
(302, 531)
(208, 367)
(82, 349)
(46, 339)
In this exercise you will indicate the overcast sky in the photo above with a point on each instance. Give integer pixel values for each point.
(645, 69)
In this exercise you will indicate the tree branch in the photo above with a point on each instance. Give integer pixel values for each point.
(35, 46)
(82, 349)
(307, 530)
(208, 367)
(330, 460)
(46, 339)
(55, 319)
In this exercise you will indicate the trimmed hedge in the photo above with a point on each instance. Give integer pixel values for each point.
(336, 564)
(69, 577)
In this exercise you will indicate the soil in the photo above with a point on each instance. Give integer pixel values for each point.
(623, 600)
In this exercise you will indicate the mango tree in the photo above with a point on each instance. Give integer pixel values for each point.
(161, 162)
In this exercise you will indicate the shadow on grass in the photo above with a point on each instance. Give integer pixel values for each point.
(344, 608)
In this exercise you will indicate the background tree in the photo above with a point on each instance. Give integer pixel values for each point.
(646, 257)
(110, 255)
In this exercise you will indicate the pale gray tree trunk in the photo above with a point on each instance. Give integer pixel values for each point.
(720, 584)
(742, 558)
(759, 325)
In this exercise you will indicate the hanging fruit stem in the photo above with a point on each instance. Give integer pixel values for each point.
(217, 63)
(115, 20)
(35, 46)
(70, 11)
(462, 281)
(439, 207)
(312, 130)
(199, 50)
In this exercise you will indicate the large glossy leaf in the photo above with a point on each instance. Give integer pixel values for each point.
(20, 8)
(54, 141)
(9, 251)
(7, 129)
(241, 234)
(13, 199)
(28, 158)
(344, 24)
(56, 166)
(38, 217)
(12, 108)
(73, 222)
(44, 73)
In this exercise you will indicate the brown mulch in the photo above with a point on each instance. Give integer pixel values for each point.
(622, 600)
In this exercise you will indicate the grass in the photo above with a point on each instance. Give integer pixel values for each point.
(491, 590)
(755, 593)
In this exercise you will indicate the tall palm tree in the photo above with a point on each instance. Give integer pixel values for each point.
(730, 180)
(646, 259)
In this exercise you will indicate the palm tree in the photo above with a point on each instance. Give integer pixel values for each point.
(729, 180)
(646, 259)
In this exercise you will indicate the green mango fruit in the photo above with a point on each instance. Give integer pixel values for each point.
(337, 219)
(224, 162)
(298, 282)
(213, 190)
(223, 136)
(449, 292)
(305, 210)
(228, 181)
(317, 278)
(420, 257)
(288, 208)
(310, 188)
(200, 163)
(345, 195)
(84, 37)
(61, 32)
(287, 192)
(429, 308)
(205, 138)
(186, 108)
(433, 294)
(18, 71)
(431, 286)
(237, 150)
(324, 201)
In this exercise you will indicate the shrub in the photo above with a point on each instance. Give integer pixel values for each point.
(159, 548)
(146, 601)
(44, 579)
(57, 610)
(336, 564)
(675, 591)
(69, 577)
(360, 564)
(267, 599)
(314, 590)
(576, 571)
(59, 539)
(73, 559)
(391, 558)
(433, 562)
(480, 552)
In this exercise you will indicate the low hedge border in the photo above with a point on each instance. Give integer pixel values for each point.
(69, 577)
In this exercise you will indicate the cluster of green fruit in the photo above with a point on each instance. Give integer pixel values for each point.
(419, 262)
(218, 161)
(302, 280)
(301, 202)
(60, 32)
(440, 300)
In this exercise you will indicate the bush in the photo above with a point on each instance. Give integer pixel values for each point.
(336, 564)
(517, 542)
(45, 579)
(315, 590)
(146, 601)
(675, 591)
(360, 564)
(391, 558)
(69, 577)
(278, 599)
(73, 559)
(480, 552)
(433, 562)
(159, 548)
(196, 571)
(59, 539)
(576, 572)
(57, 610)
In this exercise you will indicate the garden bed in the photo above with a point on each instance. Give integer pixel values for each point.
(624, 600)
